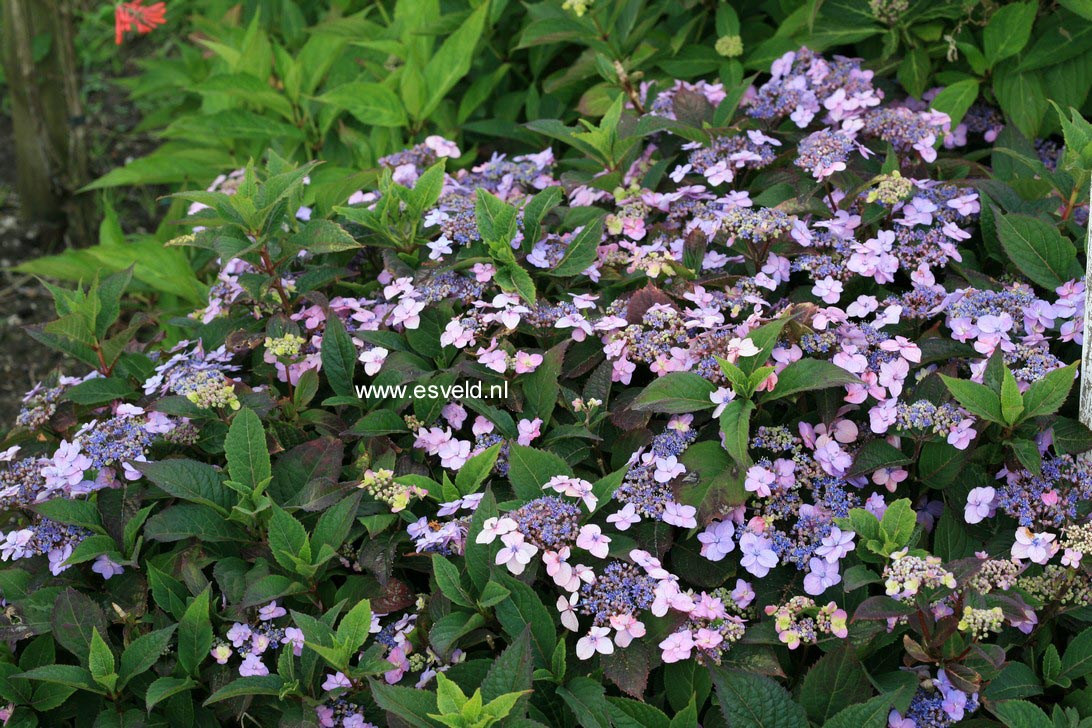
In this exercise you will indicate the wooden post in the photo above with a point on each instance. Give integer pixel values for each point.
(47, 115)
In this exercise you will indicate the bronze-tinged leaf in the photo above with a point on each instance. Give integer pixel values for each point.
(624, 417)
(692, 108)
(644, 299)
(396, 596)
(240, 342)
(628, 669)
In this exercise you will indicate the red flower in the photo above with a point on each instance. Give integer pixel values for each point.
(133, 13)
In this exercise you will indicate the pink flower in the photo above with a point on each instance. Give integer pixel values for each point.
(567, 607)
(529, 430)
(627, 629)
(373, 359)
(592, 540)
(758, 554)
(821, 576)
(597, 640)
(624, 518)
(677, 647)
(667, 469)
(707, 639)
(516, 553)
(759, 480)
(828, 290)
(494, 527)
(527, 362)
(271, 611)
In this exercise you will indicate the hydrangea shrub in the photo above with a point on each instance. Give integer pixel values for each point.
(744, 406)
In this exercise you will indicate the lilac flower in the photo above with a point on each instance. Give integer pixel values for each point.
(716, 540)
(980, 504)
(758, 554)
(253, 666)
(271, 611)
(1038, 547)
(680, 515)
(106, 568)
(822, 575)
(836, 545)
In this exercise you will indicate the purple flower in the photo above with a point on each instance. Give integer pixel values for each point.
(253, 666)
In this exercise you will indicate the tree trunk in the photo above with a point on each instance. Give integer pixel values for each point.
(47, 116)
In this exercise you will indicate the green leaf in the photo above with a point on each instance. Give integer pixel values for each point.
(1022, 95)
(320, 236)
(806, 375)
(101, 661)
(248, 686)
(626, 713)
(355, 626)
(898, 522)
(529, 469)
(453, 58)
(954, 100)
(471, 476)
(976, 398)
(913, 72)
(409, 704)
(195, 635)
(735, 425)
(287, 537)
(1047, 395)
(1037, 250)
(587, 700)
(1007, 32)
(191, 481)
(186, 521)
(142, 653)
(1071, 437)
(749, 700)
(1016, 680)
(870, 714)
(338, 357)
(496, 218)
(75, 619)
(525, 608)
(165, 687)
(676, 393)
(1012, 402)
(1020, 714)
(836, 680)
(876, 454)
(511, 672)
(371, 104)
(246, 451)
(450, 582)
(70, 675)
(1077, 661)
(581, 252)
(100, 391)
(535, 210)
